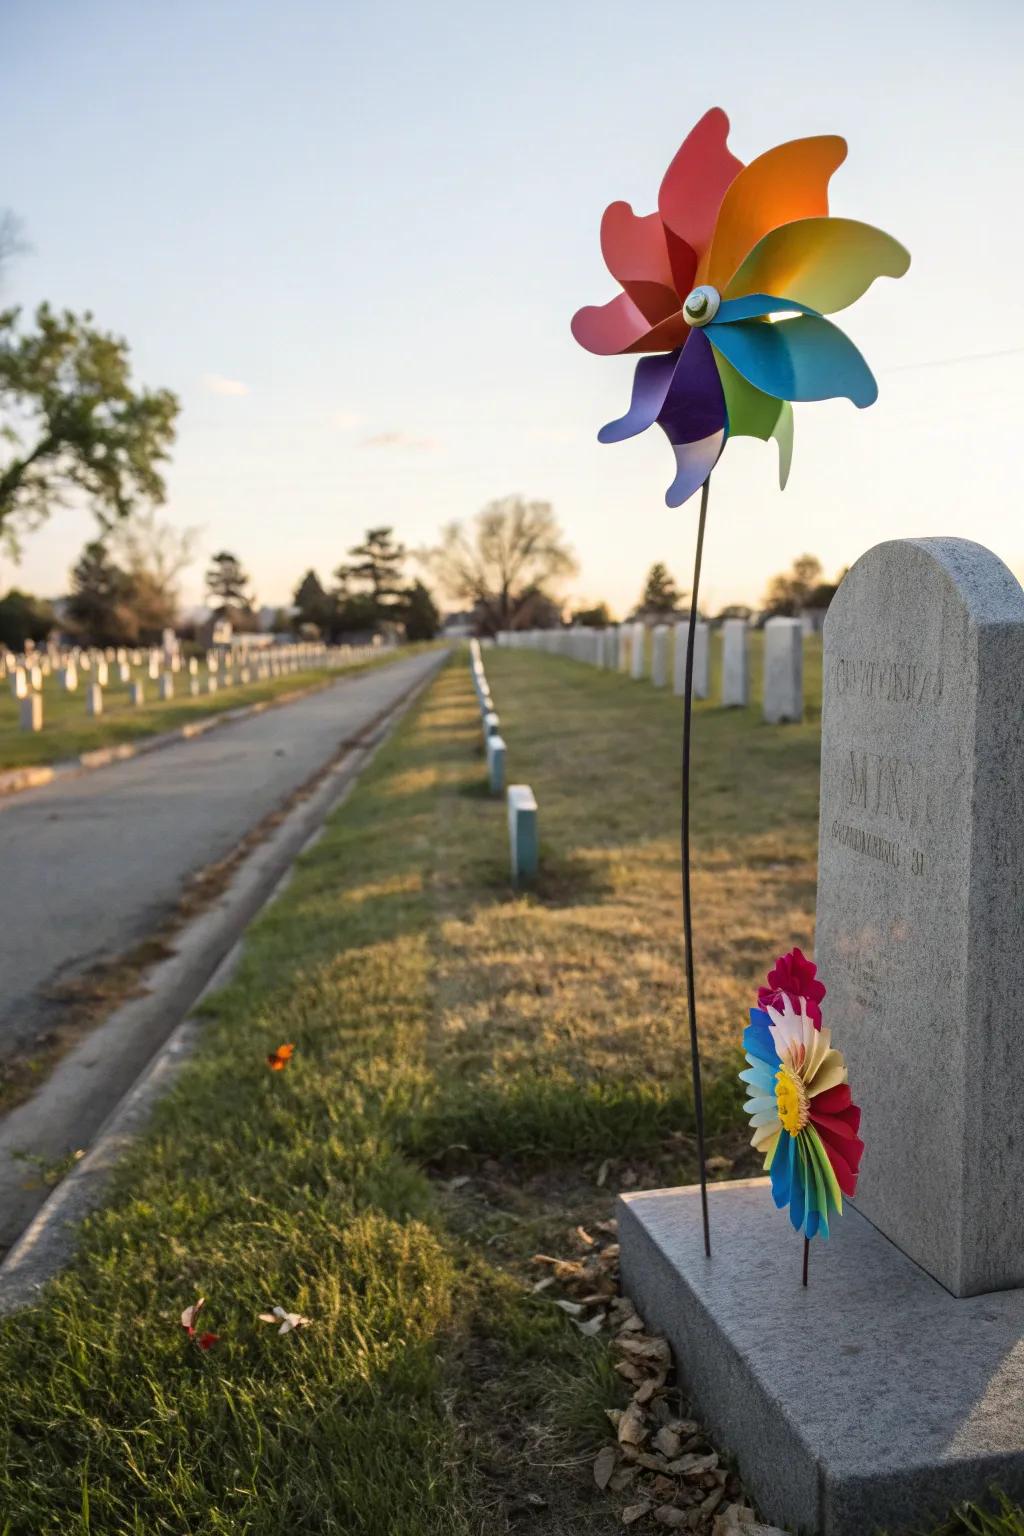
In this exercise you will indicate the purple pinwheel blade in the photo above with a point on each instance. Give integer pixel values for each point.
(694, 462)
(651, 383)
(694, 407)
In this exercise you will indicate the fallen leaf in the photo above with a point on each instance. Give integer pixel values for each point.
(208, 1340)
(289, 1320)
(459, 1182)
(667, 1442)
(542, 1285)
(647, 1389)
(643, 1347)
(674, 1518)
(631, 1428)
(611, 1226)
(614, 1415)
(621, 1479)
(574, 1308)
(634, 1324)
(719, 1164)
(713, 1500)
(634, 1512)
(585, 1237)
(693, 1466)
(602, 1173)
(604, 1465)
(188, 1317)
(592, 1327)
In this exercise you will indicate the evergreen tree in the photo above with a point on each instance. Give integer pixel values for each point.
(100, 604)
(227, 583)
(661, 596)
(422, 620)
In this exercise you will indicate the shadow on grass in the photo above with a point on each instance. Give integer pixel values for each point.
(533, 1119)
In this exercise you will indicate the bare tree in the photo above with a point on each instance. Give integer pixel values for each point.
(154, 555)
(499, 565)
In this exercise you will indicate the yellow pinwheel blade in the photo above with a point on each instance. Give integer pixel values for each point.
(823, 263)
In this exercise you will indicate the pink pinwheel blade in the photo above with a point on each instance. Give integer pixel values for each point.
(621, 326)
(636, 254)
(693, 188)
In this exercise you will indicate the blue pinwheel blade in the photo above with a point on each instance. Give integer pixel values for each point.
(805, 358)
(754, 306)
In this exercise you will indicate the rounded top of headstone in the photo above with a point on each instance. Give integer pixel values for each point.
(896, 570)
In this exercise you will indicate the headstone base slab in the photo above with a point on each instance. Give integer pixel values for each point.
(874, 1399)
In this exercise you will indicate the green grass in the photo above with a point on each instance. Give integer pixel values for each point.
(532, 1044)
(68, 731)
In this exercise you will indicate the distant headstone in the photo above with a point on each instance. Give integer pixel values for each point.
(492, 725)
(659, 655)
(100, 673)
(735, 664)
(31, 712)
(19, 683)
(701, 660)
(496, 764)
(638, 649)
(69, 678)
(124, 672)
(193, 687)
(35, 677)
(94, 700)
(211, 682)
(166, 686)
(783, 670)
(136, 694)
(921, 896)
(625, 647)
(522, 833)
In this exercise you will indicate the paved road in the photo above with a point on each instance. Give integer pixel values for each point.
(90, 866)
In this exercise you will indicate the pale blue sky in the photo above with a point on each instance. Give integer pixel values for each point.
(378, 219)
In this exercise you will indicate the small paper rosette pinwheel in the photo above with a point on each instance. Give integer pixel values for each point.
(801, 1112)
(731, 248)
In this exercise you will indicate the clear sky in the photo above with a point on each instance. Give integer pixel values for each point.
(351, 236)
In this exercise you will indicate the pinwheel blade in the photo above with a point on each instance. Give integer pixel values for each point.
(692, 190)
(650, 386)
(694, 462)
(785, 183)
(826, 264)
(622, 326)
(806, 358)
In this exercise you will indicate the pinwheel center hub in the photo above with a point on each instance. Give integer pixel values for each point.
(791, 1100)
(701, 306)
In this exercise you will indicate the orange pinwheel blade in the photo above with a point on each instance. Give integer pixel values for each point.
(785, 183)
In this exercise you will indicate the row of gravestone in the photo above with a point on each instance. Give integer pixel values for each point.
(27, 681)
(623, 648)
(524, 850)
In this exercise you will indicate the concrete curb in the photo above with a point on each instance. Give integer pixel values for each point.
(13, 781)
(206, 952)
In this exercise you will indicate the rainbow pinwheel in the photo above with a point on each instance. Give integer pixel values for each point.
(731, 248)
(801, 1112)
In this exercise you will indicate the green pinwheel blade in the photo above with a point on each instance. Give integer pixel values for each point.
(823, 263)
(752, 413)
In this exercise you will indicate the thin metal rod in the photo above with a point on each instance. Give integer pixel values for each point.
(684, 841)
(807, 1250)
